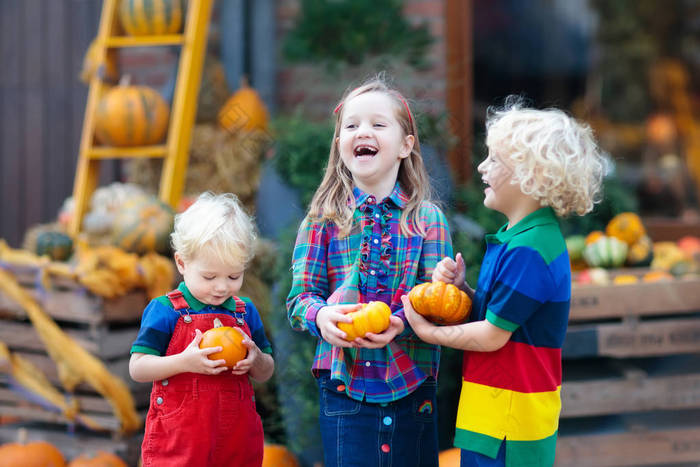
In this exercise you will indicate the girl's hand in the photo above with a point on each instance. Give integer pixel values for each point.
(450, 271)
(377, 341)
(195, 360)
(244, 366)
(327, 321)
(421, 326)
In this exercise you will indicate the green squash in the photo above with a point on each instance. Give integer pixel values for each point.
(575, 244)
(56, 245)
(606, 252)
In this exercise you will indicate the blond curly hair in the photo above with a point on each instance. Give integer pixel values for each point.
(555, 158)
(215, 225)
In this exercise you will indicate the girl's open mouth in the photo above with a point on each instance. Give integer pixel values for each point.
(365, 151)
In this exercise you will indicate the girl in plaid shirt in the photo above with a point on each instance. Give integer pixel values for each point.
(371, 234)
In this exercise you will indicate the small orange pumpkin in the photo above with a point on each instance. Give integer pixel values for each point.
(131, 116)
(440, 302)
(276, 455)
(33, 454)
(372, 317)
(593, 236)
(657, 276)
(244, 110)
(230, 339)
(449, 457)
(98, 459)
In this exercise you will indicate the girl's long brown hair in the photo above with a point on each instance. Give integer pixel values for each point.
(334, 201)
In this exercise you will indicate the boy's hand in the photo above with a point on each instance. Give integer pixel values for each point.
(377, 341)
(421, 326)
(244, 366)
(450, 271)
(196, 360)
(327, 321)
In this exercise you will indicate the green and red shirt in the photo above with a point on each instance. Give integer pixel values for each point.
(513, 394)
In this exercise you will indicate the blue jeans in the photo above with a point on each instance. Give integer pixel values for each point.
(402, 433)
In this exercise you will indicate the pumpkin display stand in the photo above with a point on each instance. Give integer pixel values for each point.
(631, 374)
(104, 327)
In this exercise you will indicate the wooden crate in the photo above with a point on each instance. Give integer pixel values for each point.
(105, 328)
(631, 389)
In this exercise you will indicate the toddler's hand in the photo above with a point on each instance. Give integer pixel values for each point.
(244, 366)
(327, 321)
(450, 271)
(196, 360)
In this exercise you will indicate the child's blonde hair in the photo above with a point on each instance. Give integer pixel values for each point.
(555, 159)
(215, 225)
(334, 201)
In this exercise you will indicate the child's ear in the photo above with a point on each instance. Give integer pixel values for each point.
(407, 147)
(180, 263)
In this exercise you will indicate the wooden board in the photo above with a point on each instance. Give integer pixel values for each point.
(636, 392)
(593, 302)
(658, 447)
(80, 306)
(633, 339)
(99, 340)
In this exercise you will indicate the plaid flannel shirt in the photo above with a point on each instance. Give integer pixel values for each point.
(374, 262)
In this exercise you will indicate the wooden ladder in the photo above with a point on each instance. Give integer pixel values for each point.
(175, 151)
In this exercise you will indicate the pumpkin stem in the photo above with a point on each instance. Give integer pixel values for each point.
(125, 80)
(244, 82)
(217, 323)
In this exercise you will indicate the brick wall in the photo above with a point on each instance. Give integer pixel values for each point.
(317, 89)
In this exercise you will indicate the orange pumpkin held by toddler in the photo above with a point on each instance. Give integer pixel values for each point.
(230, 339)
(98, 459)
(440, 303)
(372, 317)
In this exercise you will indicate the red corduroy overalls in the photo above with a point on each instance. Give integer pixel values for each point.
(202, 420)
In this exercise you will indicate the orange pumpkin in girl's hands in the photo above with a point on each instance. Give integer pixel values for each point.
(230, 339)
(98, 459)
(372, 317)
(440, 303)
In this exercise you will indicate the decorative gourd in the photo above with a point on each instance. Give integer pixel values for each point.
(593, 236)
(440, 302)
(131, 116)
(657, 276)
(33, 454)
(626, 226)
(230, 339)
(143, 225)
(104, 65)
(244, 110)
(690, 245)
(623, 279)
(371, 317)
(575, 245)
(276, 455)
(641, 253)
(151, 17)
(98, 459)
(57, 246)
(606, 252)
(593, 276)
(666, 254)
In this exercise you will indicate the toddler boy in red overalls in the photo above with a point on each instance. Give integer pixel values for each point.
(201, 412)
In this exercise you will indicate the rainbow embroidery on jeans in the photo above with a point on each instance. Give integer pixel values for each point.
(426, 407)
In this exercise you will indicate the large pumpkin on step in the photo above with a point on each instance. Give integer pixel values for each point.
(440, 302)
(131, 116)
(33, 454)
(371, 317)
(151, 17)
(244, 110)
(143, 225)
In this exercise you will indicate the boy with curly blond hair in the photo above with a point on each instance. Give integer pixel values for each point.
(541, 164)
